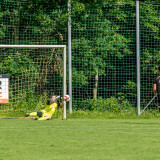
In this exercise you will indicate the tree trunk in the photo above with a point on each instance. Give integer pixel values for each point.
(96, 84)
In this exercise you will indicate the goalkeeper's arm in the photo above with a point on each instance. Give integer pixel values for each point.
(155, 89)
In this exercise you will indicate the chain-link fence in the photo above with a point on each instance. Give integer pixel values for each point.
(104, 53)
(103, 47)
(32, 23)
(149, 49)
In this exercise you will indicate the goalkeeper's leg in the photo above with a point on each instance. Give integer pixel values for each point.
(31, 114)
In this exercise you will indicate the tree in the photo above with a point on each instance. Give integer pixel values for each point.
(101, 39)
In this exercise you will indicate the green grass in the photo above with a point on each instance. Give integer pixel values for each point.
(80, 139)
(149, 114)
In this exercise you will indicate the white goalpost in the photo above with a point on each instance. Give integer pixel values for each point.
(34, 71)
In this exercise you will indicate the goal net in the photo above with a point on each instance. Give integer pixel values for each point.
(29, 74)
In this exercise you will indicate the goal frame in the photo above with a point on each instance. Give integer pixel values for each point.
(64, 63)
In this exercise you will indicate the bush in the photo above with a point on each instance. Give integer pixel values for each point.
(115, 105)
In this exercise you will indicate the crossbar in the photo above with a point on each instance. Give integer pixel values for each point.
(32, 46)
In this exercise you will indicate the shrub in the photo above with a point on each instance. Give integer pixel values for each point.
(115, 105)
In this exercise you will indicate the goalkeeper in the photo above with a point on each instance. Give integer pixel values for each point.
(49, 110)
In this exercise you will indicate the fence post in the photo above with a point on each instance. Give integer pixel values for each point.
(69, 56)
(138, 56)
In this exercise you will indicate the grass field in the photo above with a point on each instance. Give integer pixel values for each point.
(80, 139)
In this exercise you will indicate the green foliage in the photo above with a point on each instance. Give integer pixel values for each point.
(17, 64)
(103, 45)
(30, 101)
(40, 19)
(150, 61)
(129, 90)
(114, 105)
(93, 49)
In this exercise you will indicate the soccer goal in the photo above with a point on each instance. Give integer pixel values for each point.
(29, 74)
